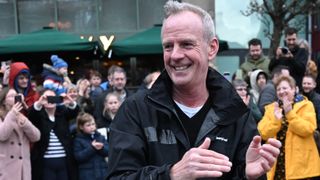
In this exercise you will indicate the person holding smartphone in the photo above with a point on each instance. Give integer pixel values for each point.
(52, 156)
(16, 134)
(19, 78)
(292, 120)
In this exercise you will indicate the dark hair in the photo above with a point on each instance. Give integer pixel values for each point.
(278, 69)
(239, 82)
(262, 73)
(255, 42)
(95, 73)
(290, 31)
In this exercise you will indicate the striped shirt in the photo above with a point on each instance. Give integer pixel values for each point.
(55, 148)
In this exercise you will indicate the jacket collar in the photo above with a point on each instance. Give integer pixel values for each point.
(226, 103)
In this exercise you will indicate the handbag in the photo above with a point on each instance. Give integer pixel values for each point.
(316, 136)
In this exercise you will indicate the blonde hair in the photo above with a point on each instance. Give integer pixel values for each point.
(289, 79)
(83, 118)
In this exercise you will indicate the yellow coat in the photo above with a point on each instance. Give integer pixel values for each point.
(301, 155)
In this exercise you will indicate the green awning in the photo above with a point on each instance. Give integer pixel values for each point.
(45, 40)
(146, 43)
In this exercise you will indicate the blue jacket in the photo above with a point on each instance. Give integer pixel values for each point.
(147, 137)
(91, 162)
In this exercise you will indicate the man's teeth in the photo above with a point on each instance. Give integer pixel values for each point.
(181, 68)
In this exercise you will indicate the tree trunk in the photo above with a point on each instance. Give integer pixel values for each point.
(276, 37)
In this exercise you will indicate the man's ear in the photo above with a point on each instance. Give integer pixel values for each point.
(213, 48)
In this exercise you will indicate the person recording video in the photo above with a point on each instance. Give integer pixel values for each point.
(292, 120)
(292, 56)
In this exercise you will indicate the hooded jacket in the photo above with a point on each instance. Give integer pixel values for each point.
(301, 156)
(147, 137)
(16, 69)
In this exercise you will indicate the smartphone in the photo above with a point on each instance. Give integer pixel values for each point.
(55, 99)
(17, 98)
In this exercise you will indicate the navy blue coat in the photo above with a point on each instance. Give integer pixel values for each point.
(91, 162)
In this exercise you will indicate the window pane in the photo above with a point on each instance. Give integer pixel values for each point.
(151, 12)
(6, 18)
(118, 15)
(35, 14)
(78, 15)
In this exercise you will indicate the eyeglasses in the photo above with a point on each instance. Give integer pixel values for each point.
(241, 89)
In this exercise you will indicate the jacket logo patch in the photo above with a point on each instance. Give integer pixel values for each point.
(221, 139)
(164, 136)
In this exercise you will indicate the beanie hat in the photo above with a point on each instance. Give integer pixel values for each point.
(58, 62)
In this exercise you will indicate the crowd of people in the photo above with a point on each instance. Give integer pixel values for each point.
(186, 122)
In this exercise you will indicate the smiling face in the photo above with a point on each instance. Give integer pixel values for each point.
(285, 90)
(308, 84)
(186, 52)
(291, 40)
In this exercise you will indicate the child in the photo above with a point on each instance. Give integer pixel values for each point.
(16, 134)
(95, 81)
(56, 77)
(90, 149)
(111, 105)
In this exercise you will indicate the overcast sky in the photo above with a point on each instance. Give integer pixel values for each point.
(233, 26)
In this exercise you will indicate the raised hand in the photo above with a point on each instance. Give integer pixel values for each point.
(16, 108)
(200, 162)
(278, 111)
(260, 158)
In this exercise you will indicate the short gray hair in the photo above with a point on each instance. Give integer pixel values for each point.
(175, 7)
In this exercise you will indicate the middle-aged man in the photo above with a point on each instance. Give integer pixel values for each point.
(191, 124)
(292, 56)
(308, 89)
(255, 59)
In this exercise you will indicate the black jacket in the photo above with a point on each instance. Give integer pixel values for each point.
(314, 97)
(147, 137)
(61, 128)
(297, 64)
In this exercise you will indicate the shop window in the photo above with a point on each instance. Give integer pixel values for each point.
(7, 22)
(35, 14)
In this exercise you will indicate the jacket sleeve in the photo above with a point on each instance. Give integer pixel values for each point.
(269, 126)
(128, 149)
(82, 151)
(32, 133)
(105, 150)
(266, 97)
(299, 61)
(302, 121)
(6, 126)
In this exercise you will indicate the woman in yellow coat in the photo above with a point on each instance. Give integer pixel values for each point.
(292, 120)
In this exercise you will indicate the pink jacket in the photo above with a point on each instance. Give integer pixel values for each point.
(15, 147)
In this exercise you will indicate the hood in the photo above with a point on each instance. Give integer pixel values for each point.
(255, 90)
(17, 68)
(253, 79)
(226, 102)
